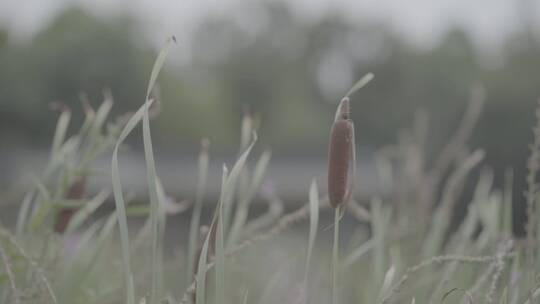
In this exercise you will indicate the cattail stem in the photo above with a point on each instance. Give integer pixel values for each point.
(335, 257)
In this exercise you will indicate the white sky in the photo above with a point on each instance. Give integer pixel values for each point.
(422, 21)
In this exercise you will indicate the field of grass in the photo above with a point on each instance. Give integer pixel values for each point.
(409, 247)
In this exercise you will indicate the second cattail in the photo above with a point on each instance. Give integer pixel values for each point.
(341, 149)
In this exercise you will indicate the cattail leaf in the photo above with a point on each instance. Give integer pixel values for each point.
(200, 293)
(202, 269)
(241, 214)
(88, 208)
(441, 216)
(359, 252)
(162, 218)
(387, 282)
(117, 186)
(23, 213)
(60, 132)
(158, 64)
(120, 204)
(246, 131)
(360, 84)
(313, 224)
(219, 245)
(259, 171)
(203, 162)
(101, 115)
(379, 233)
(230, 187)
(236, 169)
(151, 173)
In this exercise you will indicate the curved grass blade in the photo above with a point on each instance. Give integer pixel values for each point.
(23, 213)
(120, 205)
(243, 207)
(360, 84)
(197, 208)
(151, 172)
(60, 133)
(200, 291)
(358, 253)
(387, 283)
(313, 224)
(142, 113)
(89, 207)
(219, 245)
(232, 180)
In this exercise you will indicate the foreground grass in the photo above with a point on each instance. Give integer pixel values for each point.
(407, 247)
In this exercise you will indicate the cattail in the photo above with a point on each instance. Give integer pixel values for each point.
(339, 155)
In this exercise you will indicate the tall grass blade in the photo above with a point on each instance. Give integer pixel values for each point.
(387, 282)
(151, 174)
(162, 219)
(313, 224)
(232, 180)
(219, 245)
(60, 133)
(359, 252)
(200, 291)
(120, 204)
(23, 213)
(441, 217)
(360, 84)
(89, 207)
(507, 202)
(379, 234)
(117, 186)
(197, 208)
(101, 115)
(243, 207)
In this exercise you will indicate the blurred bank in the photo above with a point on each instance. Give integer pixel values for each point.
(287, 71)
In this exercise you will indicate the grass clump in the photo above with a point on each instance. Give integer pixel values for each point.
(403, 247)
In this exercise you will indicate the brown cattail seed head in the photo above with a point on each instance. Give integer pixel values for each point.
(339, 154)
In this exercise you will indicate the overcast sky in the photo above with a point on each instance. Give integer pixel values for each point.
(422, 21)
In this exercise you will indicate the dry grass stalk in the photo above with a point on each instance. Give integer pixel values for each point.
(498, 269)
(436, 260)
(449, 153)
(7, 235)
(10, 275)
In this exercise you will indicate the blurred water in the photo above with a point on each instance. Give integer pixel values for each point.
(287, 176)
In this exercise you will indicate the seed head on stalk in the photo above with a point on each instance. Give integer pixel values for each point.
(341, 158)
(341, 150)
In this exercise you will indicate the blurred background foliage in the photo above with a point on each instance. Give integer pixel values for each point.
(289, 72)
